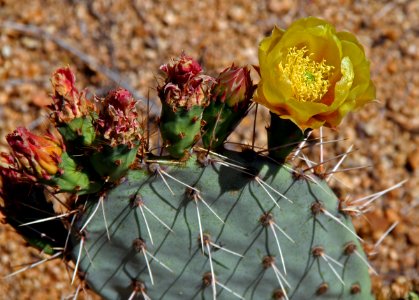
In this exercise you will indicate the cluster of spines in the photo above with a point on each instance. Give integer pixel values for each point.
(205, 243)
(266, 220)
(77, 120)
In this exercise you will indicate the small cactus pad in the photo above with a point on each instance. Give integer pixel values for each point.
(80, 131)
(230, 100)
(204, 228)
(72, 179)
(114, 162)
(180, 128)
(220, 120)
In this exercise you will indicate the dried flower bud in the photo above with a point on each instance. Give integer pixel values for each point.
(63, 83)
(9, 168)
(180, 71)
(39, 156)
(68, 102)
(119, 118)
(185, 86)
(234, 87)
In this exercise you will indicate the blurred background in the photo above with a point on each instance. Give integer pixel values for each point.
(122, 43)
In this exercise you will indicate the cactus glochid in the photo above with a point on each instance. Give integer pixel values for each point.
(191, 219)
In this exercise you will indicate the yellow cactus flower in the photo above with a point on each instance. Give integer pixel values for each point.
(313, 75)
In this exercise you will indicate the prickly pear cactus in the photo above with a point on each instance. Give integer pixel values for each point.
(233, 225)
(192, 220)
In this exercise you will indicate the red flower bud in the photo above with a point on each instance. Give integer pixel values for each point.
(184, 86)
(122, 100)
(68, 102)
(119, 118)
(9, 169)
(180, 71)
(234, 86)
(39, 156)
(63, 82)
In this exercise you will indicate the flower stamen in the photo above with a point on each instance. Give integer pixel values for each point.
(309, 79)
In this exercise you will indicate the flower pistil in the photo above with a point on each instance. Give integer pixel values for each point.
(309, 79)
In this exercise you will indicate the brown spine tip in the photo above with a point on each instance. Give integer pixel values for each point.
(191, 194)
(139, 244)
(316, 208)
(322, 289)
(319, 171)
(278, 294)
(268, 261)
(203, 159)
(266, 219)
(298, 174)
(205, 239)
(206, 279)
(355, 289)
(138, 286)
(137, 201)
(350, 248)
(317, 251)
(153, 167)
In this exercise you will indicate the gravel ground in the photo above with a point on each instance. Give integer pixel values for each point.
(113, 43)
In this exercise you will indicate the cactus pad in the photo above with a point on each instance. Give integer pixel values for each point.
(180, 128)
(222, 224)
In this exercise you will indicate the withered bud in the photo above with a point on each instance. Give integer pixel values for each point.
(118, 119)
(184, 85)
(39, 156)
(68, 103)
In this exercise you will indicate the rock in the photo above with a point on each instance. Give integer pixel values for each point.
(413, 160)
(6, 51)
(413, 236)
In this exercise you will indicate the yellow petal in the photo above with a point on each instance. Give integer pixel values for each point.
(362, 82)
(367, 96)
(308, 22)
(343, 86)
(266, 44)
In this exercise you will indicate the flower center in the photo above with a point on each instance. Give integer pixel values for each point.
(309, 79)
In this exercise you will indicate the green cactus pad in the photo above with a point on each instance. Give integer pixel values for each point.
(220, 121)
(114, 162)
(283, 137)
(79, 131)
(72, 179)
(180, 128)
(243, 201)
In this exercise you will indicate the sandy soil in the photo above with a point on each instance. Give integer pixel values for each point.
(113, 43)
